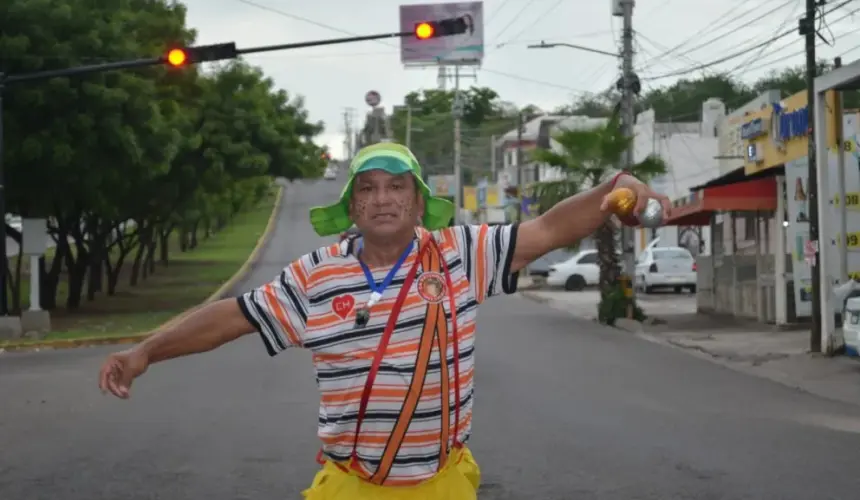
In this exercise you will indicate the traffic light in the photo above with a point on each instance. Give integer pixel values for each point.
(180, 57)
(444, 27)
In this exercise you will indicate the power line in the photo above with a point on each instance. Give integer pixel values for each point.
(345, 32)
(741, 53)
(515, 19)
(712, 29)
(540, 17)
(496, 12)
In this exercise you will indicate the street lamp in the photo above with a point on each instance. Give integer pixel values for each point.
(544, 45)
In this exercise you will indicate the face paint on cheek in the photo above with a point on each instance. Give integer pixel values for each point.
(405, 208)
(360, 209)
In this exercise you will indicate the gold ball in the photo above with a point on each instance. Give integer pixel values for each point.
(622, 201)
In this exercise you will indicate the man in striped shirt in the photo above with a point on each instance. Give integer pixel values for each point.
(389, 316)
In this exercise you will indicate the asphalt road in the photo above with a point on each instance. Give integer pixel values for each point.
(564, 410)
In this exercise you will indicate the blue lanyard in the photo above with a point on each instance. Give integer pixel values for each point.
(378, 290)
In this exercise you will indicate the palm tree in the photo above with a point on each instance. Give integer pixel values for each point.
(587, 158)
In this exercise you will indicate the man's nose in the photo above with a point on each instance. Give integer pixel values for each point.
(382, 197)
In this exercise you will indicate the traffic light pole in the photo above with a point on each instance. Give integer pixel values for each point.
(141, 63)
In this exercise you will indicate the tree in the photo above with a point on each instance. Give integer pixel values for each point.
(120, 161)
(432, 128)
(587, 158)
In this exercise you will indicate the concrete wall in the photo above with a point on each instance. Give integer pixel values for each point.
(689, 149)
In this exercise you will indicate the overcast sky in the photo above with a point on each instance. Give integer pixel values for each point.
(334, 78)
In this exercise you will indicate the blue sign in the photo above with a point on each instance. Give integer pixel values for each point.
(753, 129)
(790, 124)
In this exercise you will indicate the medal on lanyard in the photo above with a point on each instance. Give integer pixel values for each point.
(362, 316)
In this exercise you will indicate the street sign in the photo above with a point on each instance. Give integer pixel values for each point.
(372, 98)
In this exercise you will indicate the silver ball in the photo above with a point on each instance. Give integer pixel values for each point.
(652, 216)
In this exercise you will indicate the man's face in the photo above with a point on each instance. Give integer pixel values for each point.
(383, 204)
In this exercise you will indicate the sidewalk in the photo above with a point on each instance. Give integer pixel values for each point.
(746, 346)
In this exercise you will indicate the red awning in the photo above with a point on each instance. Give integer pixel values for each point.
(746, 196)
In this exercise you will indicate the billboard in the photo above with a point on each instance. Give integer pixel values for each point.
(461, 50)
(442, 185)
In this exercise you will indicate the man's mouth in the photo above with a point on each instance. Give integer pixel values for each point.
(385, 216)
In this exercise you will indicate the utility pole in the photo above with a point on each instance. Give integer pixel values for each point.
(520, 166)
(627, 118)
(457, 111)
(347, 133)
(807, 29)
(409, 126)
(493, 158)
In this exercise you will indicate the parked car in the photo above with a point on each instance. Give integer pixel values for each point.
(666, 267)
(330, 174)
(575, 273)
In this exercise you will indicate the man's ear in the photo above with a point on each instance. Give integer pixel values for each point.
(421, 207)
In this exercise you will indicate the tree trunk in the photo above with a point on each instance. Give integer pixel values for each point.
(164, 243)
(77, 268)
(193, 243)
(15, 285)
(150, 257)
(607, 256)
(50, 277)
(98, 253)
(145, 235)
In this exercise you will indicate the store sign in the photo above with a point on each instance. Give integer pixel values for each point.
(789, 125)
(753, 129)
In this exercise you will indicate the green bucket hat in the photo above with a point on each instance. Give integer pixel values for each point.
(395, 159)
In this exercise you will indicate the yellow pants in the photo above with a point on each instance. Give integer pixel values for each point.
(458, 480)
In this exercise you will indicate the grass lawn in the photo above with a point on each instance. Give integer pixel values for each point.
(190, 278)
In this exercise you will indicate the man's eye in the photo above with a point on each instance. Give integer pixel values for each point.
(365, 188)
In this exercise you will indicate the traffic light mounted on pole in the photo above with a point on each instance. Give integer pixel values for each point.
(179, 57)
(426, 30)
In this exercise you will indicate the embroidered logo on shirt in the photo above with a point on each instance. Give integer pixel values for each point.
(431, 287)
(342, 305)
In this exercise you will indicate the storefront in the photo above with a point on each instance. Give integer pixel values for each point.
(760, 214)
(777, 140)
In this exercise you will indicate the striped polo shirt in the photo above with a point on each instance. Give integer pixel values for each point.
(312, 304)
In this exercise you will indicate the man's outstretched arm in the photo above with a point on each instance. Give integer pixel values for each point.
(208, 327)
(575, 218)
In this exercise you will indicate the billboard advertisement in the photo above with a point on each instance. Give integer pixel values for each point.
(464, 50)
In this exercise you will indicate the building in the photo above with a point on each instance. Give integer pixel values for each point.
(758, 211)
(537, 133)
(690, 151)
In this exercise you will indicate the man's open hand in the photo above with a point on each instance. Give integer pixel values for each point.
(120, 369)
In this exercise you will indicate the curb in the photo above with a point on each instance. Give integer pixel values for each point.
(531, 295)
(137, 337)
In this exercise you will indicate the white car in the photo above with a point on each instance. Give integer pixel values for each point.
(666, 267)
(575, 273)
(330, 174)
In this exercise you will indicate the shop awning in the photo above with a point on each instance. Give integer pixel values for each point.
(745, 196)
